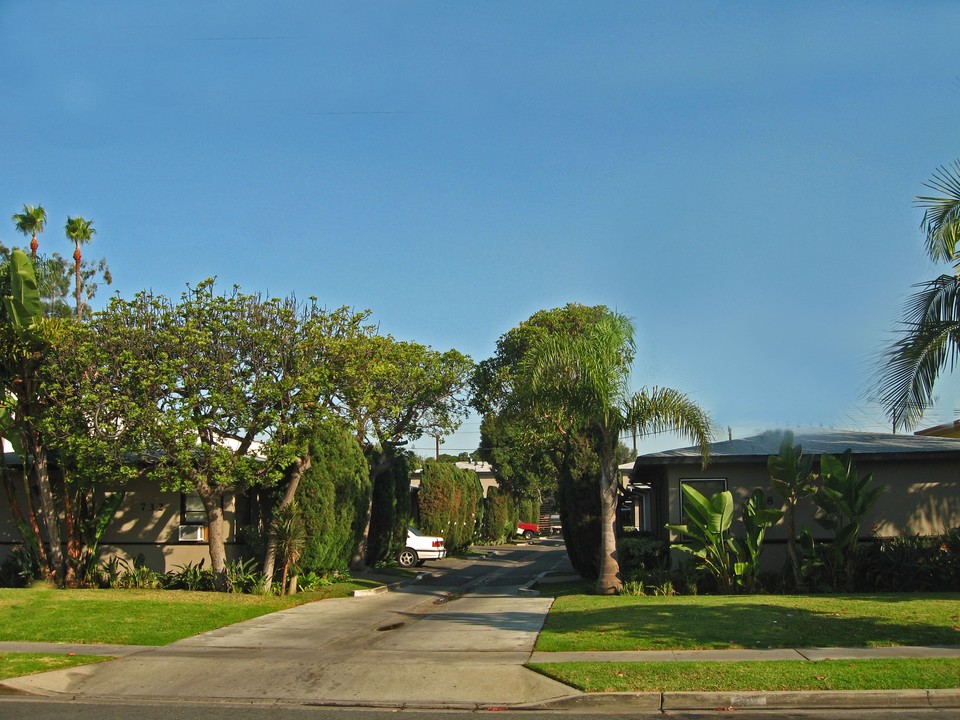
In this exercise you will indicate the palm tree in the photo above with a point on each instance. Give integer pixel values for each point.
(929, 340)
(31, 222)
(581, 384)
(80, 231)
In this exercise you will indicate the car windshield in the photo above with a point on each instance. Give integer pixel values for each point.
(414, 531)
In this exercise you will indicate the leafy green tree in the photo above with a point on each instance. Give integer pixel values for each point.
(31, 223)
(581, 385)
(929, 339)
(391, 392)
(24, 346)
(222, 390)
(46, 413)
(80, 231)
(530, 457)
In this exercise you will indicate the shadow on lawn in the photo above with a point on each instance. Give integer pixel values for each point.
(691, 623)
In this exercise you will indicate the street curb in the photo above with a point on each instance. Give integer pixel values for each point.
(779, 700)
(597, 702)
(380, 590)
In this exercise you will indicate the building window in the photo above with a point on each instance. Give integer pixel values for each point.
(707, 487)
(192, 511)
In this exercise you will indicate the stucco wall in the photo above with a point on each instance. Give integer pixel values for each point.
(919, 497)
(148, 523)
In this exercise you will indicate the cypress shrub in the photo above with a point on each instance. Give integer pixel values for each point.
(390, 515)
(332, 497)
(578, 499)
(448, 503)
(498, 518)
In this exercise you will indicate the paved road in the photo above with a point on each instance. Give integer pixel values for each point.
(429, 642)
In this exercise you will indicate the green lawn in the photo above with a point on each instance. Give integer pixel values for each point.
(136, 617)
(17, 664)
(899, 674)
(593, 622)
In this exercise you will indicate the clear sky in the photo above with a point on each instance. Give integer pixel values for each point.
(736, 177)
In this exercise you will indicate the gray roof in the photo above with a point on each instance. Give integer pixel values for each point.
(814, 442)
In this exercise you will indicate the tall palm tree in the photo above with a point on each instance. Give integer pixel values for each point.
(929, 339)
(31, 223)
(80, 231)
(581, 384)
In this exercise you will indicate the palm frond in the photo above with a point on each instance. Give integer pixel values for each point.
(31, 221)
(659, 409)
(929, 343)
(941, 217)
(79, 230)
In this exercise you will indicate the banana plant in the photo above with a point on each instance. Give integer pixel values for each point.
(792, 477)
(757, 519)
(22, 305)
(843, 500)
(708, 533)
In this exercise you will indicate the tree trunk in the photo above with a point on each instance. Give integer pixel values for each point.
(270, 556)
(31, 519)
(608, 581)
(283, 578)
(792, 552)
(379, 463)
(48, 505)
(72, 531)
(25, 522)
(216, 540)
(76, 258)
(358, 563)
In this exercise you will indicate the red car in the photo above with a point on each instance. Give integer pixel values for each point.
(528, 530)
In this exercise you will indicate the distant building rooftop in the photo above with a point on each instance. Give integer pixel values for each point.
(814, 442)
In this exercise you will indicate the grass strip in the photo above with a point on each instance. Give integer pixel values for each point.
(619, 622)
(137, 617)
(17, 664)
(793, 675)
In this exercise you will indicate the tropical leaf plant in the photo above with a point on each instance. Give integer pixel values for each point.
(757, 519)
(843, 499)
(707, 533)
(792, 477)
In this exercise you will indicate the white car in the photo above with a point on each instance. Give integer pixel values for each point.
(421, 548)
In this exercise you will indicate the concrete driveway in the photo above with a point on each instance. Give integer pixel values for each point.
(416, 645)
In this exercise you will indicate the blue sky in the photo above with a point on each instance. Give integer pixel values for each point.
(736, 177)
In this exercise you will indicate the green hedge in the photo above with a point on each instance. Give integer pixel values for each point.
(391, 513)
(332, 496)
(449, 503)
(500, 516)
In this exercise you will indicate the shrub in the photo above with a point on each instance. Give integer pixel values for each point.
(449, 501)
(910, 564)
(332, 496)
(190, 577)
(390, 513)
(497, 516)
(642, 552)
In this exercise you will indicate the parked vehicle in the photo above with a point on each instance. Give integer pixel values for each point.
(421, 548)
(528, 530)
